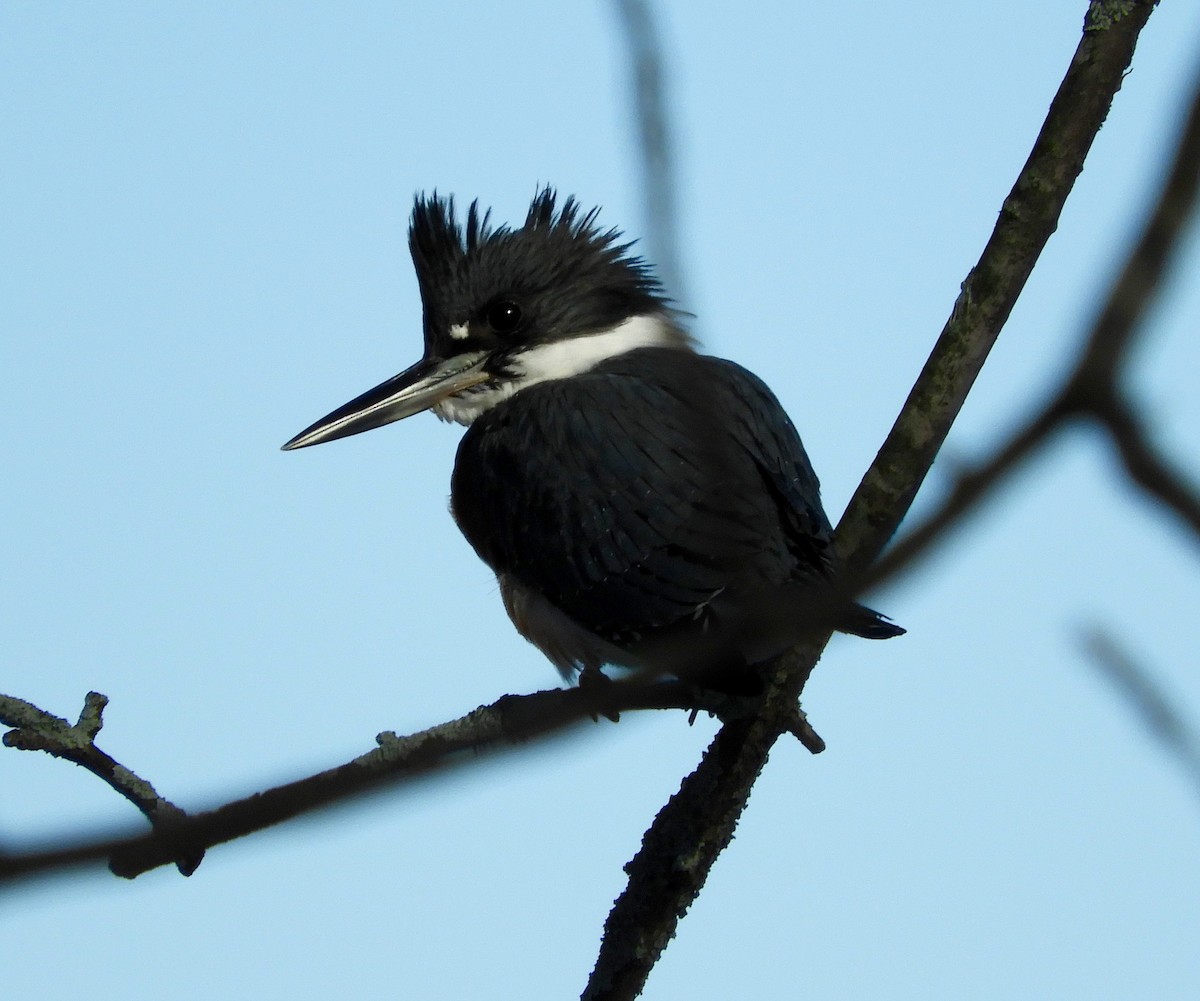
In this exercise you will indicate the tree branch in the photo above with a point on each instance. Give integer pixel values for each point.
(1150, 469)
(1093, 390)
(1028, 217)
(656, 143)
(1143, 695)
(687, 836)
(509, 722)
(37, 730)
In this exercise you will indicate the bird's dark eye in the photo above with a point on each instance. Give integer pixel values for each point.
(503, 316)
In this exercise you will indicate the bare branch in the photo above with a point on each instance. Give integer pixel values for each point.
(969, 490)
(682, 844)
(1143, 271)
(680, 847)
(1151, 470)
(37, 730)
(1144, 696)
(1028, 217)
(1092, 390)
(511, 721)
(656, 146)
(644, 919)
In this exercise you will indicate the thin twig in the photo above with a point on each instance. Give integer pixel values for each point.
(1150, 469)
(37, 730)
(1143, 694)
(656, 144)
(969, 490)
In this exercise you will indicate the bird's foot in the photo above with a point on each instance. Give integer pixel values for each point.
(597, 689)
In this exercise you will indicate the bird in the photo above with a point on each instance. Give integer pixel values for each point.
(643, 506)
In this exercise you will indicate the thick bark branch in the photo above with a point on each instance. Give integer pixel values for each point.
(685, 839)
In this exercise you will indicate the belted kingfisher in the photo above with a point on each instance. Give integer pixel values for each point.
(641, 504)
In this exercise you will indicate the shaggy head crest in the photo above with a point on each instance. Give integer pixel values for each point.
(458, 267)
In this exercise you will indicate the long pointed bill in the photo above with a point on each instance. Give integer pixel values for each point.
(418, 388)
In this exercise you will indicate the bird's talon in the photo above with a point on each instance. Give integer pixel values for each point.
(597, 690)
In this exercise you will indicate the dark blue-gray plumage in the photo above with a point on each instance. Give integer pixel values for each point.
(641, 504)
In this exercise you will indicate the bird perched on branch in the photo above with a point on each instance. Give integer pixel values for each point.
(641, 504)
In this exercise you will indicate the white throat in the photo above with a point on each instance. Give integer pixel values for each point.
(561, 360)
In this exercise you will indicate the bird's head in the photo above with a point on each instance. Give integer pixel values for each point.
(506, 308)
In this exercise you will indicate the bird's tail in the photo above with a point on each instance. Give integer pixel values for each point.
(866, 622)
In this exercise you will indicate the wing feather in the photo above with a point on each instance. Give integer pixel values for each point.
(631, 495)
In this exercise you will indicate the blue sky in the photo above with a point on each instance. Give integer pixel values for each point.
(203, 250)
